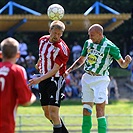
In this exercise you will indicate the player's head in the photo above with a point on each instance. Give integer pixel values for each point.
(96, 33)
(9, 48)
(56, 30)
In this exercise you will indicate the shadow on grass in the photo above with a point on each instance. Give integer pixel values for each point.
(63, 103)
(72, 102)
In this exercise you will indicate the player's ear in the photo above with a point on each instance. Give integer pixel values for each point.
(18, 55)
(1, 54)
(62, 34)
(49, 31)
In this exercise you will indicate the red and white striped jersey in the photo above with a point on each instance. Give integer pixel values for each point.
(50, 53)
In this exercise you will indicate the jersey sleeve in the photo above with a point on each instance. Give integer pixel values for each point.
(23, 92)
(84, 50)
(115, 52)
(62, 58)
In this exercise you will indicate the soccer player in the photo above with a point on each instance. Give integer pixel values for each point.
(97, 55)
(13, 86)
(53, 57)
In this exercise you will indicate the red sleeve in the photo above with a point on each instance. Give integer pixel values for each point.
(63, 55)
(23, 92)
(61, 59)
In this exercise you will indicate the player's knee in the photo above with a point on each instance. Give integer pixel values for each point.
(87, 109)
(53, 115)
(46, 114)
(99, 112)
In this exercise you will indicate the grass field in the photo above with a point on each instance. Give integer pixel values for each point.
(75, 107)
(118, 115)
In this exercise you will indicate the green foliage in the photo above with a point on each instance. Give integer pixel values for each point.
(121, 36)
(119, 72)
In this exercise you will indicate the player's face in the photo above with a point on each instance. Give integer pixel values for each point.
(55, 35)
(94, 36)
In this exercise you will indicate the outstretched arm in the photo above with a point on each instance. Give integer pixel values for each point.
(78, 63)
(124, 62)
(45, 76)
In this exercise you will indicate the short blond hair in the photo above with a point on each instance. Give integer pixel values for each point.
(9, 47)
(57, 24)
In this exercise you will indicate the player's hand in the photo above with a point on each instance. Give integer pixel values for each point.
(65, 74)
(128, 59)
(34, 81)
(36, 66)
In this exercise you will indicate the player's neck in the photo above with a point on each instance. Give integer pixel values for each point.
(12, 60)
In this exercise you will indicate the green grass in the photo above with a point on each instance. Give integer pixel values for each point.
(71, 112)
(75, 107)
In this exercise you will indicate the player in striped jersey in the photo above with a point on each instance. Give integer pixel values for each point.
(53, 57)
(97, 55)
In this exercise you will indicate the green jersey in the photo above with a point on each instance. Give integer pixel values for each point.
(100, 56)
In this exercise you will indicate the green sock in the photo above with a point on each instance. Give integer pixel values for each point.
(87, 124)
(102, 126)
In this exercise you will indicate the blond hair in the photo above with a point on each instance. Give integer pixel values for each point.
(9, 47)
(57, 24)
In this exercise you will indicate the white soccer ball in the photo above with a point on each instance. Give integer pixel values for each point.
(55, 12)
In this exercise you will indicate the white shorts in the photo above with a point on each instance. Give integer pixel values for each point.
(94, 88)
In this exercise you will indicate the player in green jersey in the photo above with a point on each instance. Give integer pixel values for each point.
(97, 55)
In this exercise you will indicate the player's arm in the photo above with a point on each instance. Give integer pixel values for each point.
(47, 75)
(78, 63)
(51, 72)
(124, 62)
(37, 64)
(25, 96)
(32, 100)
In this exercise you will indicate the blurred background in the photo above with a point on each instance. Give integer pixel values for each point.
(27, 21)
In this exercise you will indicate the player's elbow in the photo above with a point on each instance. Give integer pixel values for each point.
(32, 100)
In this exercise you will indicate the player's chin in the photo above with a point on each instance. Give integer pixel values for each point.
(55, 40)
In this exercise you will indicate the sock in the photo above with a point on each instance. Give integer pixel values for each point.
(87, 124)
(57, 129)
(102, 126)
(64, 130)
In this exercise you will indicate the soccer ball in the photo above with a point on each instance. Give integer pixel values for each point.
(55, 12)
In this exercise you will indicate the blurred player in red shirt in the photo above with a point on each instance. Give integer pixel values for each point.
(13, 86)
(53, 57)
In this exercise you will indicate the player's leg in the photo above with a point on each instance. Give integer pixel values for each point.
(47, 92)
(54, 103)
(46, 112)
(87, 100)
(64, 130)
(101, 97)
(87, 120)
(54, 115)
(102, 125)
